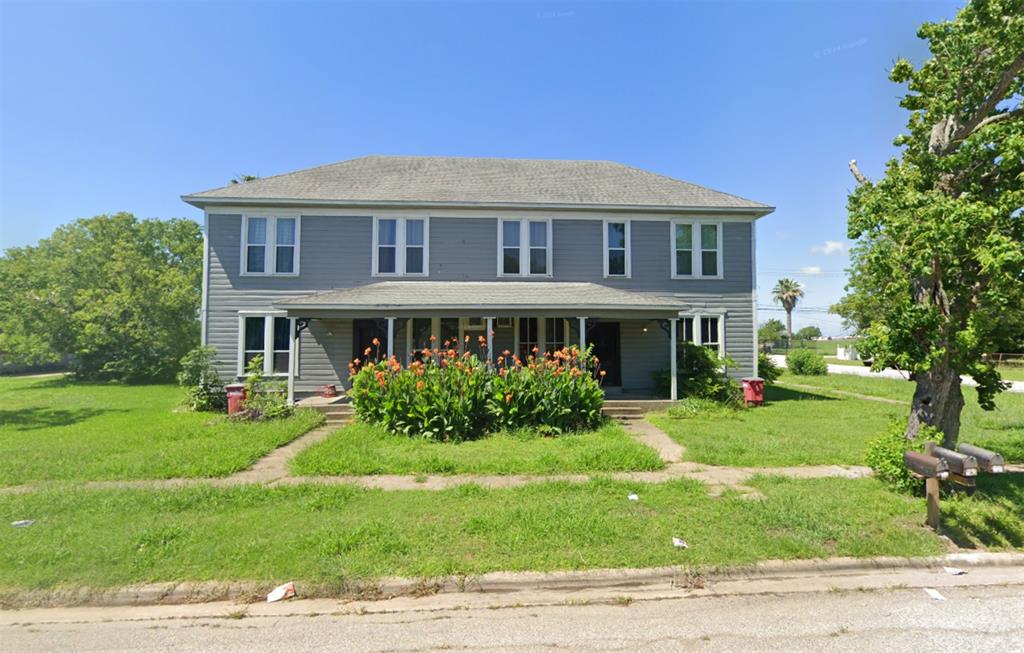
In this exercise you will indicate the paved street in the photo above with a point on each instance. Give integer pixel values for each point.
(972, 618)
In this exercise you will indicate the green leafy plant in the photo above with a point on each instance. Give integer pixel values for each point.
(806, 362)
(264, 398)
(450, 396)
(767, 369)
(690, 407)
(884, 455)
(701, 373)
(204, 390)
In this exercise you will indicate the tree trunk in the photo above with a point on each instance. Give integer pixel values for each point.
(937, 402)
(789, 326)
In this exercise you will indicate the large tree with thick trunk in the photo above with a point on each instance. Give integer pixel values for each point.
(937, 274)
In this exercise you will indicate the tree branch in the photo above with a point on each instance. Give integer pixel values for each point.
(993, 99)
(999, 117)
(857, 174)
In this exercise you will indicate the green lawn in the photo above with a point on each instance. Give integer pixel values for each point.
(365, 449)
(1001, 430)
(56, 430)
(1012, 372)
(327, 534)
(794, 427)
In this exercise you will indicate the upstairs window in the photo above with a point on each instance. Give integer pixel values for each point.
(400, 247)
(524, 248)
(270, 245)
(616, 249)
(696, 249)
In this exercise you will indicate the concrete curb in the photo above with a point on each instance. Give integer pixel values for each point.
(493, 583)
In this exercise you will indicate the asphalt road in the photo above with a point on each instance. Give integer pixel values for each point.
(970, 619)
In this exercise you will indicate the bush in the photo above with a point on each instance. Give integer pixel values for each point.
(767, 369)
(884, 455)
(701, 374)
(203, 387)
(451, 397)
(264, 398)
(806, 362)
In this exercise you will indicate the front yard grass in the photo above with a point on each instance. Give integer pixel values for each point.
(794, 427)
(328, 534)
(1001, 430)
(361, 449)
(52, 429)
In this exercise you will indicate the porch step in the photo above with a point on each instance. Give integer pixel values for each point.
(337, 413)
(622, 410)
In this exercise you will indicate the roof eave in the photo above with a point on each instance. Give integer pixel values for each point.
(203, 202)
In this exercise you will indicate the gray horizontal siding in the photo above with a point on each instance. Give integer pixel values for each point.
(335, 252)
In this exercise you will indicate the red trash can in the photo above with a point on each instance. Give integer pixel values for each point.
(753, 391)
(236, 397)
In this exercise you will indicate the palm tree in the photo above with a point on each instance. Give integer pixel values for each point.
(788, 292)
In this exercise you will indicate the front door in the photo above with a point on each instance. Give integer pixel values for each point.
(363, 333)
(604, 336)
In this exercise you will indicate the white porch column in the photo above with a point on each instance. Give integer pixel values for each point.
(490, 340)
(583, 334)
(673, 381)
(391, 336)
(293, 348)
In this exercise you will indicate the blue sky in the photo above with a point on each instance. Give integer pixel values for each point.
(126, 106)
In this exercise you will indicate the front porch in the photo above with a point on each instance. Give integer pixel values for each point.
(631, 333)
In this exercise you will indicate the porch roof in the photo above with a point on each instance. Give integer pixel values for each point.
(482, 299)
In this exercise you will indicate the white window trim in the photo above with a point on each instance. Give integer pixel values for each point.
(629, 250)
(695, 250)
(524, 247)
(270, 259)
(696, 317)
(268, 342)
(400, 246)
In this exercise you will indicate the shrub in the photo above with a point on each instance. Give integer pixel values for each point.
(264, 398)
(806, 362)
(447, 396)
(767, 369)
(884, 454)
(700, 373)
(203, 387)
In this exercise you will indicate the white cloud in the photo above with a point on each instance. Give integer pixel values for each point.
(830, 247)
(811, 270)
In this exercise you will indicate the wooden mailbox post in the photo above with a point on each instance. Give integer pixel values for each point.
(961, 467)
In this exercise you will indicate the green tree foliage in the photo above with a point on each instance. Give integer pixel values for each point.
(788, 292)
(770, 331)
(119, 294)
(808, 333)
(937, 276)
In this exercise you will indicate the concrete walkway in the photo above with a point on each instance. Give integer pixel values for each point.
(860, 370)
(272, 470)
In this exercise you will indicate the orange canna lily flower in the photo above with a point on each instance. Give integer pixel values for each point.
(507, 353)
(535, 349)
(481, 339)
(366, 352)
(467, 337)
(420, 385)
(433, 338)
(376, 342)
(508, 398)
(603, 372)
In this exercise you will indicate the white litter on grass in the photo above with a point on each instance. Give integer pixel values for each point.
(934, 594)
(282, 592)
(680, 543)
(955, 571)
(22, 523)
(633, 497)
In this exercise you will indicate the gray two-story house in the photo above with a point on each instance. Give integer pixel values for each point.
(309, 268)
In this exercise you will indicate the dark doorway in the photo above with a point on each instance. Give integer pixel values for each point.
(363, 333)
(605, 338)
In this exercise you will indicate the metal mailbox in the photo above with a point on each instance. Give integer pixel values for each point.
(925, 465)
(988, 461)
(959, 463)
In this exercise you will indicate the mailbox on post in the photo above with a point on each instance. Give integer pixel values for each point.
(988, 461)
(925, 465)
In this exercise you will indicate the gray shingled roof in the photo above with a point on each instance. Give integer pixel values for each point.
(479, 182)
(461, 295)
